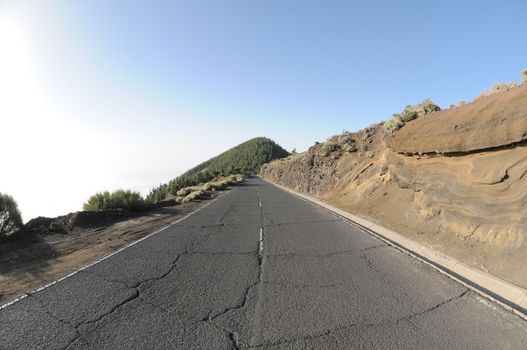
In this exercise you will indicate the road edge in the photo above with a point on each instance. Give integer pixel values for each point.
(508, 295)
(74, 272)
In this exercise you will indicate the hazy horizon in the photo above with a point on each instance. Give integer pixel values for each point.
(102, 95)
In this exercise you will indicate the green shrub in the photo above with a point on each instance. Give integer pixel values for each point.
(483, 94)
(218, 185)
(499, 87)
(196, 194)
(328, 147)
(120, 199)
(345, 138)
(410, 113)
(10, 218)
(393, 124)
(234, 179)
(462, 103)
(185, 191)
(524, 76)
(407, 115)
(193, 196)
(206, 187)
(349, 147)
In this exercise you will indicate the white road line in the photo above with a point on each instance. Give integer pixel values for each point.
(260, 242)
(105, 257)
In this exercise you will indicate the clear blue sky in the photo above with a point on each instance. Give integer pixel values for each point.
(150, 88)
(277, 65)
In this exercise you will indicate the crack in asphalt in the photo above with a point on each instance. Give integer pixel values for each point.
(135, 295)
(303, 338)
(238, 306)
(300, 286)
(261, 260)
(233, 335)
(45, 309)
(56, 318)
(226, 212)
(220, 253)
(357, 325)
(384, 277)
(136, 285)
(342, 252)
(105, 278)
(278, 224)
(437, 306)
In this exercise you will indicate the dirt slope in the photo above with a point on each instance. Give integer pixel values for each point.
(470, 205)
(497, 120)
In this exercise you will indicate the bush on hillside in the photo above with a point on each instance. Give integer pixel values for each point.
(345, 138)
(524, 76)
(193, 196)
(499, 87)
(185, 191)
(393, 124)
(120, 199)
(426, 107)
(349, 147)
(214, 186)
(336, 145)
(188, 194)
(410, 113)
(328, 147)
(10, 218)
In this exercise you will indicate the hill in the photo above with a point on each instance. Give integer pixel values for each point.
(245, 158)
(451, 179)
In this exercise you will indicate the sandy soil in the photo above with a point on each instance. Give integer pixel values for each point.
(37, 259)
(490, 122)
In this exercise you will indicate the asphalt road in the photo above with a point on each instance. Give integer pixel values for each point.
(259, 268)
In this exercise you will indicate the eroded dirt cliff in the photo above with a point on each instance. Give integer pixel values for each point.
(494, 121)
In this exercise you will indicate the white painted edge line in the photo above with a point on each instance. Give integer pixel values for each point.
(106, 257)
(260, 241)
(508, 295)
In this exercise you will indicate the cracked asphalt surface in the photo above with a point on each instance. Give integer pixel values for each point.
(259, 268)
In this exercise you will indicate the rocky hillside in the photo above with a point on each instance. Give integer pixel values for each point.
(452, 179)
